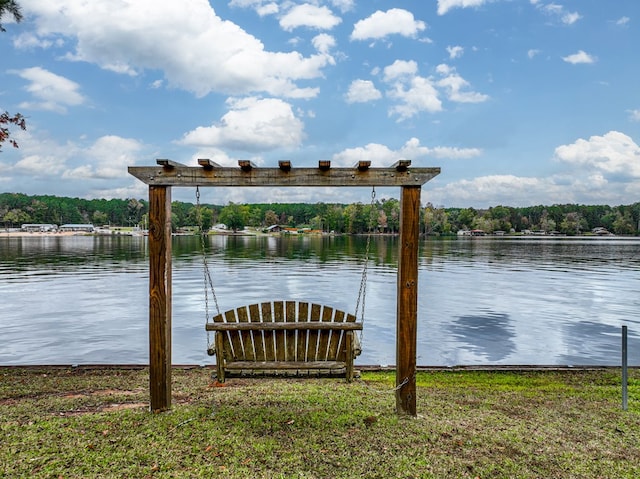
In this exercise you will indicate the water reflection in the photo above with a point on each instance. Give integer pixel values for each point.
(489, 336)
(482, 301)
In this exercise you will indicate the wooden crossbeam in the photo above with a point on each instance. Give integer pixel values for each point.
(174, 174)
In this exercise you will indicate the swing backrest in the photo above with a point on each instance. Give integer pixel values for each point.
(285, 331)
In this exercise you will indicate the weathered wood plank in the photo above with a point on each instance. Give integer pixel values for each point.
(290, 335)
(246, 335)
(269, 335)
(407, 312)
(160, 297)
(235, 339)
(278, 316)
(220, 355)
(258, 336)
(324, 336)
(302, 365)
(312, 326)
(236, 177)
(312, 343)
(332, 350)
(302, 338)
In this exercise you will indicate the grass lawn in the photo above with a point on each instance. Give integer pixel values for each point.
(72, 423)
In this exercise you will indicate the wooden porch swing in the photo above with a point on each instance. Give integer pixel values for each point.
(168, 173)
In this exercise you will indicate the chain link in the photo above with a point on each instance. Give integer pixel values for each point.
(362, 293)
(208, 281)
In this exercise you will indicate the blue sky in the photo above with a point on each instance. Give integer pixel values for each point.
(520, 102)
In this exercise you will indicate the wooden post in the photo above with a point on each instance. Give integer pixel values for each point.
(407, 313)
(160, 297)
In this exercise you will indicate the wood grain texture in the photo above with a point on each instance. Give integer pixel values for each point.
(407, 313)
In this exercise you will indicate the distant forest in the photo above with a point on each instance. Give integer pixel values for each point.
(382, 216)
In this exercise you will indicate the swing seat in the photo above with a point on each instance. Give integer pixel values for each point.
(287, 338)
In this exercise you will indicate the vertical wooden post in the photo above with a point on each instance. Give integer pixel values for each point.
(407, 313)
(160, 297)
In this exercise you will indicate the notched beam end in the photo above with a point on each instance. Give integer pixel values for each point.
(246, 165)
(363, 165)
(169, 164)
(401, 165)
(324, 165)
(207, 164)
(284, 165)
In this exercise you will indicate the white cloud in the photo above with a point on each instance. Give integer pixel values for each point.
(395, 21)
(400, 69)
(310, 16)
(324, 43)
(252, 124)
(611, 154)
(570, 18)
(455, 86)
(455, 52)
(195, 49)
(558, 12)
(362, 91)
(52, 92)
(490, 190)
(445, 5)
(109, 156)
(580, 57)
(344, 5)
(634, 115)
(382, 155)
(532, 53)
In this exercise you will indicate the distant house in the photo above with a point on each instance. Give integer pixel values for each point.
(38, 227)
(478, 233)
(274, 229)
(86, 228)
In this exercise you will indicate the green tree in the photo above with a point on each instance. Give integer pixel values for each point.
(16, 217)
(624, 224)
(232, 216)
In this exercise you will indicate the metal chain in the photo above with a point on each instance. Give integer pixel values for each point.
(208, 281)
(362, 293)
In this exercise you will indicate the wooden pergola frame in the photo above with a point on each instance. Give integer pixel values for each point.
(168, 173)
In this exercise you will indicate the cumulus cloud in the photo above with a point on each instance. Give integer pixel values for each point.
(532, 53)
(51, 92)
(382, 155)
(310, 16)
(362, 91)
(613, 154)
(194, 48)
(395, 21)
(455, 52)
(251, 124)
(456, 86)
(109, 156)
(445, 5)
(579, 57)
(414, 93)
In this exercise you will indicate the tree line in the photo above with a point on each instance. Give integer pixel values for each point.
(382, 216)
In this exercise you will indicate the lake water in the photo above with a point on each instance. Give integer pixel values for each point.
(483, 301)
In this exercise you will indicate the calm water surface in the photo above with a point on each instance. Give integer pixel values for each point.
(84, 299)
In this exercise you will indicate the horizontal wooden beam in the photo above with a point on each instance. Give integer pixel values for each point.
(311, 325)
(324, 175)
